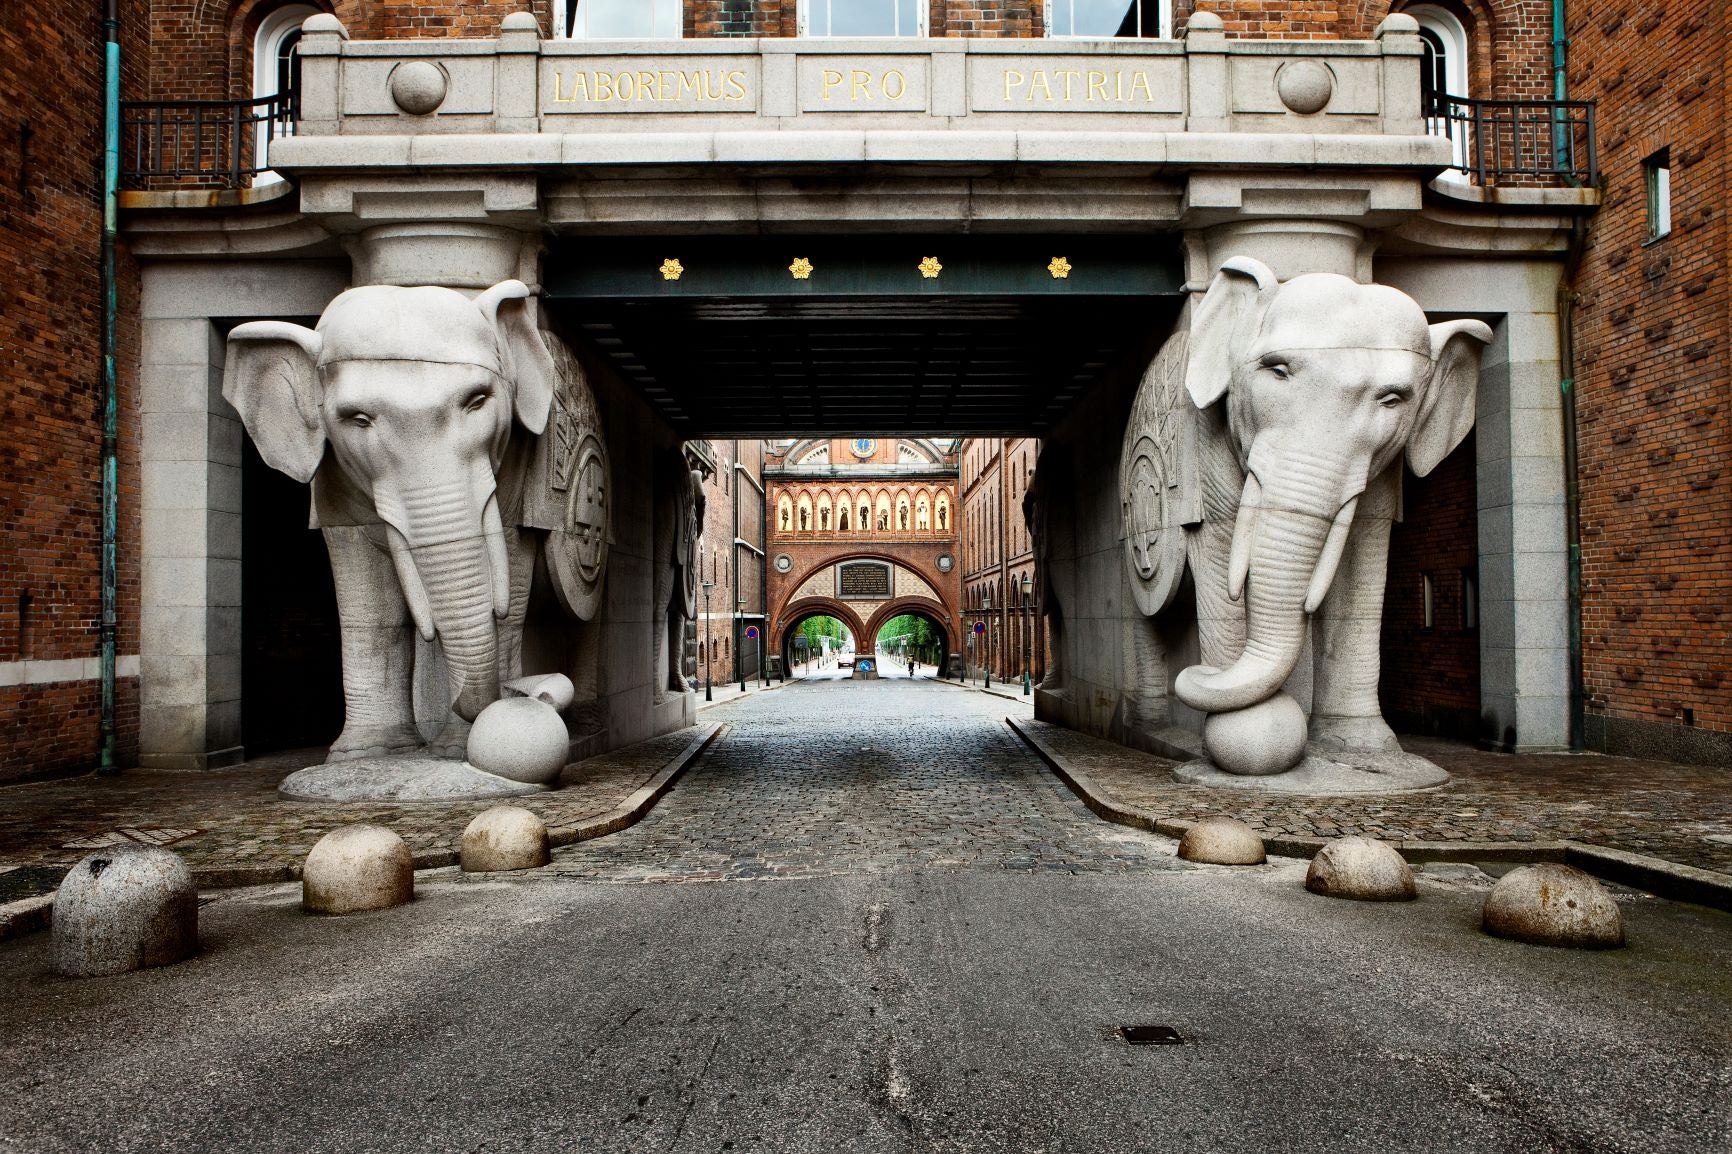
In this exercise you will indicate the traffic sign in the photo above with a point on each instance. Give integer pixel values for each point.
(751, 631)
(980, 627)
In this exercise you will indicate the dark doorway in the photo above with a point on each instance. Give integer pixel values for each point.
(291, 659)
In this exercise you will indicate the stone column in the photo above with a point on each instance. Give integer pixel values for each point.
(190, 450)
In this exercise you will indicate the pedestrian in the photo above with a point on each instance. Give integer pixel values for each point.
(911, 667)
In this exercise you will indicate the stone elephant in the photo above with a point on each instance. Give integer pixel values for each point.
(451, 446)
(1265, 453)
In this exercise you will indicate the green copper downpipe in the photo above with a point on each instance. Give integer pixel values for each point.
(110, 389)
(1567, 391)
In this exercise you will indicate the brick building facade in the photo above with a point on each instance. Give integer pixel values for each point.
(862, 529)
(998, 579)
(731, 559)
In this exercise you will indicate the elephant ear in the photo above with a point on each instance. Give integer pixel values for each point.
(1446, 405)
(1221, 324)
(524, 357)
(272, 379)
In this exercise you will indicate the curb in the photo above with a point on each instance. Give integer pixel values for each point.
(782, 684)
(1681, 883)
(29, 915)
(981, 689)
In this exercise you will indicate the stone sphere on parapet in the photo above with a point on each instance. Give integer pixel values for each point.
(520, 739)
(125, 908)
(1549, 904)
(506, 837)
(1259, 740)
(356, 868)
(1361, 869)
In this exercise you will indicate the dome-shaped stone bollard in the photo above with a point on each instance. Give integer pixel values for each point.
(355, 868)
(520, 738)
(1222, 840)
(1553, 905)
(125, 908)
(1362, 869)
(506, 837)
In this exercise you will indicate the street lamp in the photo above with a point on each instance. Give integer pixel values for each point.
(708, 585)
(1027, 628)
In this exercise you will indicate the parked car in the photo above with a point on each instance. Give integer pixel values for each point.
(845, 660)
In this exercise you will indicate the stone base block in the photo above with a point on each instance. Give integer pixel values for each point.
(865, 675)
(408, 777)
(1326, 773)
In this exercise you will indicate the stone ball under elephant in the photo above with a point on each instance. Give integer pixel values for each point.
(1222, 840)
(355, 868)
(1549, 904)
(506, 837)
(521, 739)
(1361, 869)
(1257, 741)
(125, 908)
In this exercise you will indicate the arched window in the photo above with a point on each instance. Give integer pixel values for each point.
(276, 71)
(785, 513)
(1443, 71)
(902, 523)
(865, 521)
(922, 513)
(824, 511)
(804, 521)
(943, 512)
(883, 522)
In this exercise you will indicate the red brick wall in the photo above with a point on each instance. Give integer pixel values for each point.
(1651, 330)
(1430, 681)
(51, 68)
(737, 572)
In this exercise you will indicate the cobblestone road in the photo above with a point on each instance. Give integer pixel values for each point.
(834, 777)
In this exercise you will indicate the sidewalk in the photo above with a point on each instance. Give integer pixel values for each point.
(1679, 813)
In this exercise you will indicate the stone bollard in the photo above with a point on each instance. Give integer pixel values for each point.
(1222, 840)
(125, 908)
(1362, 869)
(506, 837)
(355, 868)
(520, 738)
(1548, 904)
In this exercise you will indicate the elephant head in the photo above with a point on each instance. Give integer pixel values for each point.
(1327, 383)
(412, 393)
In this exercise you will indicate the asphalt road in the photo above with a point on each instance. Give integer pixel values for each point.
(923, 1006)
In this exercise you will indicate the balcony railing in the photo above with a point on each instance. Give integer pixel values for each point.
(204, 142)
(1519, 141)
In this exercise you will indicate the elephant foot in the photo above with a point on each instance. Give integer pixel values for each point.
(358, 741)
(452, 741)
(1370, 733)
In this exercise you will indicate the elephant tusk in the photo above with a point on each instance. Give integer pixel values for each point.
(1244, 530)
(494, 532)
(409, 578)
(1330, 558)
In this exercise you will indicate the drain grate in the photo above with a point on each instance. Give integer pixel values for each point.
(131, 836)
(1152, 1035)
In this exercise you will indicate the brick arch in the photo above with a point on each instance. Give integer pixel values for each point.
(935, 613)
(815, 607)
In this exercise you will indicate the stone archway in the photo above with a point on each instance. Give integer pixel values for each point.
(934, 614)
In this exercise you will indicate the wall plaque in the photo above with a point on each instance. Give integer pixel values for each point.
(863, 579)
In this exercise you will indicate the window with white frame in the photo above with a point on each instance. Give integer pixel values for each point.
(1657, 179)
(1105, 19)
(1442, 73)
(277, 70)
(865, 18)
(618, 19)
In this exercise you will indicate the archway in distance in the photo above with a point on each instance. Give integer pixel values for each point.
(902, 629)
(801, 643)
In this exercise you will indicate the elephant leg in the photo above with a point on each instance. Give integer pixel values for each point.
(1347, 630)
(378, 649)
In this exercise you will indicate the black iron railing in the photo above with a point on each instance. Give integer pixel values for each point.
(1518, 141)
(221, 142)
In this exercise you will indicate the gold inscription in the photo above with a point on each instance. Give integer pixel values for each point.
(1090, 86)
(699, 85)
(860, 85)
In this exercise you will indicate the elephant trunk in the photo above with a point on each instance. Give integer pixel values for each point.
(452, 570)
(1287, 545)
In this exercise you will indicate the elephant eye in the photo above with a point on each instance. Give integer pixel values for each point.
(477, 400)
(1391, 398)
(358, 419)
(1280, 368)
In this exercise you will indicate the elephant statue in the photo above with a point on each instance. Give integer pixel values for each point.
(1265, 452)
(452, 447)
